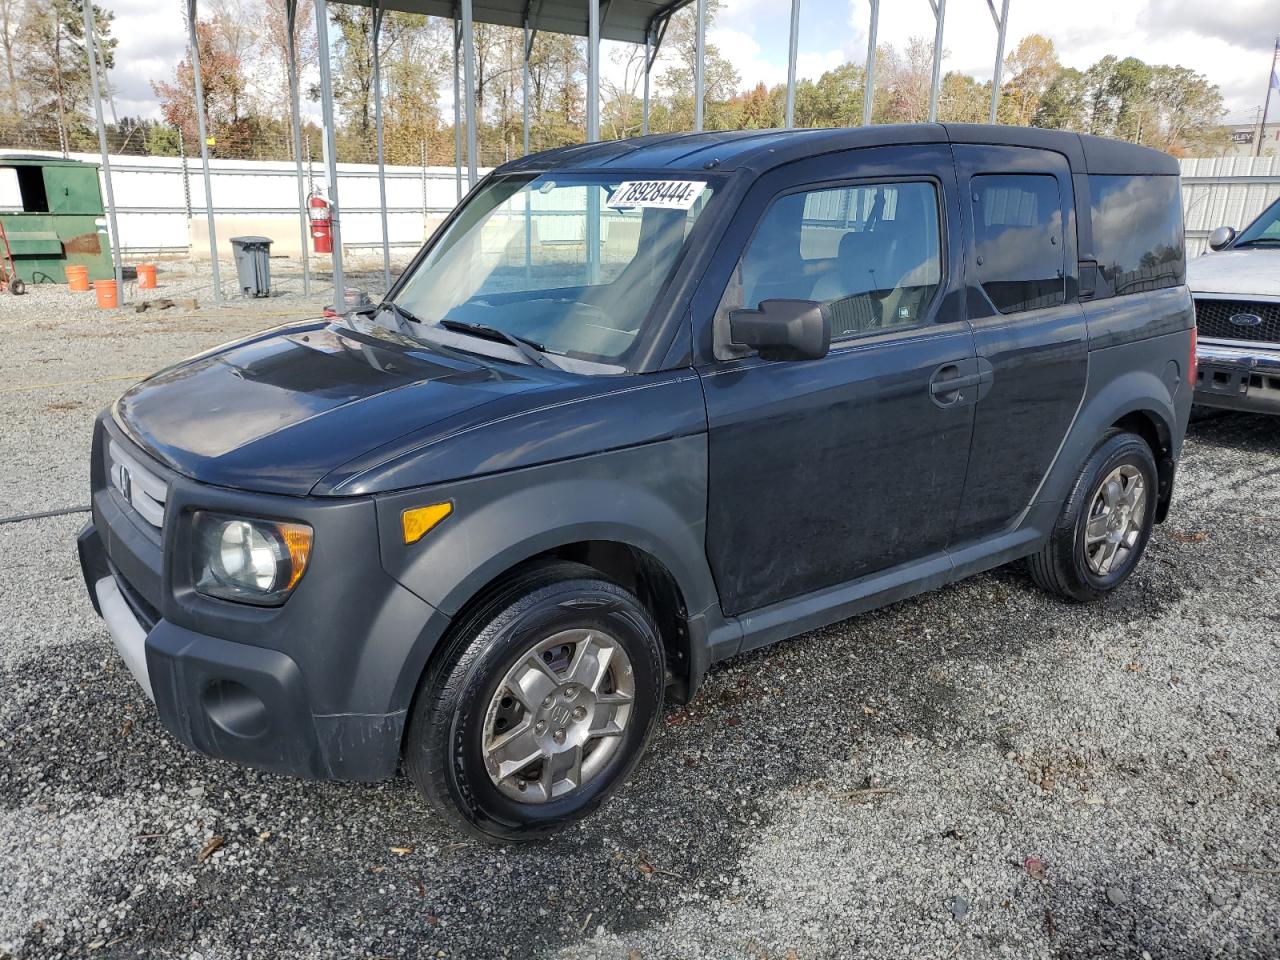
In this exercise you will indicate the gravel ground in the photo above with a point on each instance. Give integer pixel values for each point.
(980, 772)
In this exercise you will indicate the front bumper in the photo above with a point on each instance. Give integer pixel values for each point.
(319, 687)
(1238, 377)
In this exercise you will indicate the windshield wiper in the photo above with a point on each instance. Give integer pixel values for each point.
(402, 315)
(1258, 242)
(531, 350)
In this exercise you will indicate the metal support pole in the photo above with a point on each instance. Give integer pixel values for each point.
(791, 64)
(524, 81)
(91, 48)
(1001, 25)
(423, 154)
(644, 106)
(377, 131)
(457, 110)
(330, 150)
(1266, 104)
(204, 151)
(304, 220)
(940, 14)
(699, 63)
(469, 82)
(869, 77)
(593, 70)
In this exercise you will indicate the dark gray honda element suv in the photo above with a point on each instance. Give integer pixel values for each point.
(637, 407)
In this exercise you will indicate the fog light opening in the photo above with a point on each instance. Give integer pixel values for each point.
(235, 709)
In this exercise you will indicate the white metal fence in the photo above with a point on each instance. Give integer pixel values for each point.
(161, 201)
(1225, 191)
(161, 204)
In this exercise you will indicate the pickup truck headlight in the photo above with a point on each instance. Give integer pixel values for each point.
(251, 561)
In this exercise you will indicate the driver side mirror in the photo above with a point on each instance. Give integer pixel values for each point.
(784, 329)
(1221, 238)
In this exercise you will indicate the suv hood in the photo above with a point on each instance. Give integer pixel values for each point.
(1238, 273)
(276, 412)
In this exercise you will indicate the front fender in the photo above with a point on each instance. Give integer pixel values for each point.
(651, 497)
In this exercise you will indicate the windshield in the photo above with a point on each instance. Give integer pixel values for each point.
(568, 263)
(1263, 232)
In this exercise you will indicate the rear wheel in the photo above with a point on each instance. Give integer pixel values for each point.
(1105, 523)
(542, 704)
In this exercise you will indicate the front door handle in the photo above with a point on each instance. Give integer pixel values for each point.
(950, 382)
(941, 388)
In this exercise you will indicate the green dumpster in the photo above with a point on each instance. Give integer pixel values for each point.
(52, 213)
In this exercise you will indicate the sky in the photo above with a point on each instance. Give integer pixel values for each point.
(1230, 41)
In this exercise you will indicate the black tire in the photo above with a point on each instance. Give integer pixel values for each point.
(443, 746)
(1061, 566)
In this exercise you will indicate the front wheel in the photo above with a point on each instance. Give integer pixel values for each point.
(1105, 523)
(540, 706)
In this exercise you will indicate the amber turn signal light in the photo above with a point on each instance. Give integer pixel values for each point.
(419, 521)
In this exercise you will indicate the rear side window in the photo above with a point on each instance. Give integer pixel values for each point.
(1137, 233)
(1018, 232)
(871, 252)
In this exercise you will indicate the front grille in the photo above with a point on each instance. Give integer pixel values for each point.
(1213, 319)
(135, 484)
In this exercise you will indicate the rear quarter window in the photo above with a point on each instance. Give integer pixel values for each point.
(1137, 233)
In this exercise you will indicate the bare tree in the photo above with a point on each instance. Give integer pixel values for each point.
(9, 10)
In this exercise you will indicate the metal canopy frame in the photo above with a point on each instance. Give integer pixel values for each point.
(1002, 27)
(295, 115)
(204, 150)
(935, 83)
(643, 22)
(91, 47)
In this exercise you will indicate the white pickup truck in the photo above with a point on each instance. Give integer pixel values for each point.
(1237, 294)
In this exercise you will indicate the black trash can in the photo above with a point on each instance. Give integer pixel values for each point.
(253, 265)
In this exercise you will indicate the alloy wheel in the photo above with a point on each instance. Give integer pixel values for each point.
(558, 715)
(1115, 520)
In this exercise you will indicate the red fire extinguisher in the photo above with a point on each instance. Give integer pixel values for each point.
(321, 223)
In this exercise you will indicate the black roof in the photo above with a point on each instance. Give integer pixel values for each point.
(761, 150)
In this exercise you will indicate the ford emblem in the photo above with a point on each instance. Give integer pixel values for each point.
(1244, 320)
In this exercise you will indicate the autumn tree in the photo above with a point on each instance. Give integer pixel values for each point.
(962, 99)
(9, 15)
(1029, 72)
(1062, 106)
(833, 100)
(720, 78)
(222, 79)
(53, 67)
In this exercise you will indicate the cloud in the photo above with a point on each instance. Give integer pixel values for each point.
(149, 44)
(1222, 40)
(1241, 23)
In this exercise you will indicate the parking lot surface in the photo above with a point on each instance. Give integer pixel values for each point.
(983, 771)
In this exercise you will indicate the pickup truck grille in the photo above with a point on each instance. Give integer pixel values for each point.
(1213, 319)
(136, 485)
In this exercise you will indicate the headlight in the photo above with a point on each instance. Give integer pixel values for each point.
(253, 561)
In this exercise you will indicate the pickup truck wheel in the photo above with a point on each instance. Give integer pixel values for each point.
(540, 707)
(1105, 523)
